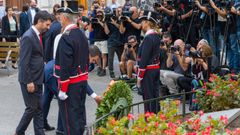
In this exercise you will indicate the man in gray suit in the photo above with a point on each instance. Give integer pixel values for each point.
(32, 11)
(31, 73)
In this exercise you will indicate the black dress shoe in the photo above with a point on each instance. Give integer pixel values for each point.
(59, 132)
(47, 127)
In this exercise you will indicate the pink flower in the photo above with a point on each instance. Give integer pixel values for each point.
(156, 124)
(216, 94)
(210, 79)
(224, 119)
(201, 113)
(194, 100)
(130, 116)
(208, 92)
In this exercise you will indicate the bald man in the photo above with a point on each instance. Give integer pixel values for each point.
(179, 61)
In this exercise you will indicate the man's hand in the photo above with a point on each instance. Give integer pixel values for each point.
(138, 83)
(30, 87)
(62, 95)
(129, 19)
(98, 99)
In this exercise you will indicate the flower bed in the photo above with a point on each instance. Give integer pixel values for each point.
(221, 93)
(166, 122)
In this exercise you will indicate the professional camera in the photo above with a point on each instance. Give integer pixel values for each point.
(173, 49)
(195, 54)
(156, 5)
(125, 14)
(162, 43)
(94, 20)
(129, 46)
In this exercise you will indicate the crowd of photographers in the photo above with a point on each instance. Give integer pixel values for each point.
(197, 38)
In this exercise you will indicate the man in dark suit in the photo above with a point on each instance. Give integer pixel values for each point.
(31, 73)
(32, 11)
(24, 25)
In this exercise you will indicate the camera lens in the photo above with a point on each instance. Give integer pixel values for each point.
(129, 46)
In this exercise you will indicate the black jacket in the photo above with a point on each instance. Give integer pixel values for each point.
(6, 26)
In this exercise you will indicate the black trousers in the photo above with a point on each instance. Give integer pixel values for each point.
(73, 110)
(185, 83)
(33, 111)
(111, 50)
(150, 86)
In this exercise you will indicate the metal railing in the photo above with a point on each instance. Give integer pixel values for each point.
(91, 129)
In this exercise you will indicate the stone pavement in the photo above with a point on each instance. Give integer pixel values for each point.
(12, 105)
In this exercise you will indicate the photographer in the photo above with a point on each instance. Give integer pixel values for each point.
(82, 21)
(100, 39)
(210, 25)
(129, 57)
(114, 41)
(230, 35)
(130, 25)
(166, 43)
(199, 66)
(179, 60)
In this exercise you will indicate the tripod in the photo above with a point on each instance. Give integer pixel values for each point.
(194, 14)
(225, 40)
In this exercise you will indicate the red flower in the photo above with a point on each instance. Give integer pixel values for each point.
(147, 114)
(113, 121)
(156, 124)
(162, 117)
(130, 116)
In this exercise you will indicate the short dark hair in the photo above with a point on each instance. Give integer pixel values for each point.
(132, 37)
(7, 7)
(42, 16)
(94, 51)
(167, 35)
(25, 8)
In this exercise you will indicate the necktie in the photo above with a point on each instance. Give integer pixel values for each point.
(40, 39)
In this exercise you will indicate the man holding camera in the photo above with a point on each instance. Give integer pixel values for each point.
(178, 60)
(129, 56)
(230, 35)
(100, 37)
(166, 43)
(114, 42)
(130, 25)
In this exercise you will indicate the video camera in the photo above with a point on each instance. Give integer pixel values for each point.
(110, 15)
(124, 16)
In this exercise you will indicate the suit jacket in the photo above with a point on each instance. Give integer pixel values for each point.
(24, 25)
(6, 26)
(48, 40)
(31, 63)
(30, 19)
